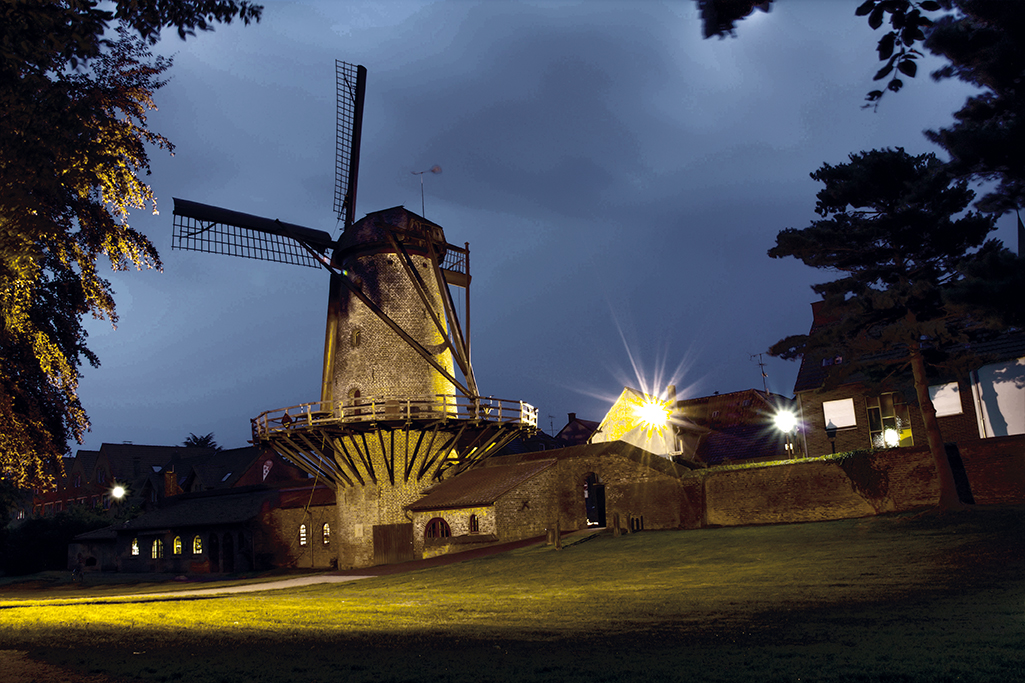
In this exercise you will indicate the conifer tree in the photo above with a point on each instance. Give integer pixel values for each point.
(895, 230)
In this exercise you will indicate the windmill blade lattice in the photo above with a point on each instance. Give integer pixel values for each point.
(350, 87)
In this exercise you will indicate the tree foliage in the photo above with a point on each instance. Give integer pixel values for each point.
(205, 441)
(895, 230)
(73, 150)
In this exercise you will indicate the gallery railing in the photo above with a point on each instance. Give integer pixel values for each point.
(391, 408)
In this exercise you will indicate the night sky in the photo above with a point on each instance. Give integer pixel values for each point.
(619, 180)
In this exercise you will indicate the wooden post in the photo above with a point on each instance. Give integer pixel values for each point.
(615, 524)
(558, 536)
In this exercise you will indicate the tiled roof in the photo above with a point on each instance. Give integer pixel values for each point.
(481, 486)
(204, 510)
(220, 469)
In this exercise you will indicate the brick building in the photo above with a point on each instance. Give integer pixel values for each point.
(986, 402)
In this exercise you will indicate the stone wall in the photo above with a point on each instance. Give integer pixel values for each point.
(859, 485)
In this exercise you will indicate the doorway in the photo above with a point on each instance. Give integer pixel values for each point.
(594, 500)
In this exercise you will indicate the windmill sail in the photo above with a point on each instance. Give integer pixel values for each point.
(350, 87)
(201, 227)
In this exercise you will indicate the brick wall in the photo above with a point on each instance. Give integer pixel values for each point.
(996, 469)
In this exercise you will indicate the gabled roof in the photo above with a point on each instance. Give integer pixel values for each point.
(221, 469)
(481, 486)
(204, 510)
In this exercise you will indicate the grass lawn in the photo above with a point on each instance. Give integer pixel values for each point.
(895, 598)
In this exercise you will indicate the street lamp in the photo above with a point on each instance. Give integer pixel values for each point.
(786, 422)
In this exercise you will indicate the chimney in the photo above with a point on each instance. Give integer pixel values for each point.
(171, 487)
(671, 393)
(572, 417)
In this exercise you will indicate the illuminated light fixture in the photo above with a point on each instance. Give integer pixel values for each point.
(891, 438)
(118, 492)
(785, 421)
(653, 413)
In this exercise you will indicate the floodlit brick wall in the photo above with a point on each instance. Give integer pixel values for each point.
(459, 524)
(529, 509)
(958, 428)
(287, 549)
(815, 490)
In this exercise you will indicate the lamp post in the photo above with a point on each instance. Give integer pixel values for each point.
(786, 422)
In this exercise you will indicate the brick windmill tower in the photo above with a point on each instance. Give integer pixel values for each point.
(394, 415)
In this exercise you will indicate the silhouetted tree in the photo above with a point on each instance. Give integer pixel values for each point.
(895, 229)
(73, 143)
(205, 441)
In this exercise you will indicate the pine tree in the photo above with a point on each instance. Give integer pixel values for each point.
(894, 227)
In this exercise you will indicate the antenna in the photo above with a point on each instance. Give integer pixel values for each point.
(435, 169)
(761, 365)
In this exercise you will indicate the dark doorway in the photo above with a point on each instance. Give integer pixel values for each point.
(393, 543)
(594, 500)
(215, 554)
(229, 553)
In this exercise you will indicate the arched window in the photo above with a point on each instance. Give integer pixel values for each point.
(157, 551)
(437, 528)
(302, 534)
(135, 546)
(327, 533)
(177, 546)
(197, 545)
(474, 524)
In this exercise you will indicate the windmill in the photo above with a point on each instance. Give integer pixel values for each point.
(394, 416)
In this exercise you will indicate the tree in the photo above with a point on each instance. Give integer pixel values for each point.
(894, 227)
(205, 441)
(981, 41)
(73, 142)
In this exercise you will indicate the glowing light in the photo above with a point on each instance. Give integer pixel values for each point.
(891, 437)
(118, 491)
(786, 421)
(653, 413)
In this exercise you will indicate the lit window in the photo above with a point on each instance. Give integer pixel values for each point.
(889, 422)
(135, 546)
(177, 550)
(327, 533)
(839, 414)
(197, 545)
(302, 534)
(474, 524)
(437, 528)
(946, 399)
(157, 551)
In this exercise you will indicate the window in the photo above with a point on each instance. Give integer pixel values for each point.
(474, 524)
(157, 551)
(326, 533)
(77, 481)
(197, 545)
(839, 414)
(889, 423)
(177, 546)
(135, 546)
(437, 528)
(302, 534)
(946, 398)
(101, 476)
